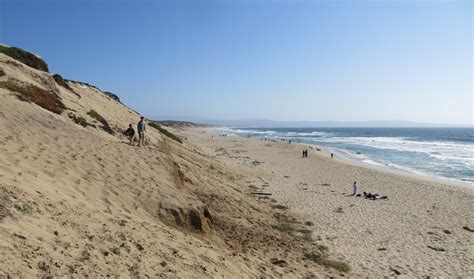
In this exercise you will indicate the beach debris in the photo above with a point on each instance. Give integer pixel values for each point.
(439, 249)
(281, 263)
(468, 229)
(447, 231)
(382, 249)
(325, 184)
(20, 236)
(397, 272)
(309, 223)
(139, 246)
(261, 193)
(256, 163)
(339, 210)
(286, 176)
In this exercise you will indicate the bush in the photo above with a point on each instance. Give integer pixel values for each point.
(31, 93)
(113, 96)
(165, 132)
(80, 120)
(319, 259)
(322, 248)
(105, 125)
(60, 81)
(115, 250)
(25, 57)
(24, 208)
(284, 227)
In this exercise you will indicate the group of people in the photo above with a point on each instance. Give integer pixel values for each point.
(141, 128)
(305, 153)
(367, 195)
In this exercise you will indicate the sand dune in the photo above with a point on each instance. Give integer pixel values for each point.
(78, 201)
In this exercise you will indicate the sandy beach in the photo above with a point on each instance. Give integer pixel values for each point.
(423, 230)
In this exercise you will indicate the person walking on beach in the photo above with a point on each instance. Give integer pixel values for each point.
(141, 132)
(129, 133)
(354, 188)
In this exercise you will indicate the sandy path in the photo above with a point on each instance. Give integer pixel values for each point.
(418, 232)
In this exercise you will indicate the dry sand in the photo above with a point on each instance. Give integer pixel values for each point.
(78, 202)
(417, 233)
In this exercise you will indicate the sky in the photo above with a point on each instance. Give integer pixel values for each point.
(280, 60)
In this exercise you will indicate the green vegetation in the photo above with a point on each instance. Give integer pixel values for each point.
(284, 227)
(307, 237)
(24, 208)
(322, 248)
(319, 259)
(60, 81)
(113, 96)
(80, 120)
(115, 250)
(25, 57)
(165, 132)
(105, 125)
(31, 93)
(279, 206)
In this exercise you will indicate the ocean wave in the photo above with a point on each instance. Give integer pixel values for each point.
(439, 150)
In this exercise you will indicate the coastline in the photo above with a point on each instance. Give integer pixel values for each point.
(418, 232)
(349, 158)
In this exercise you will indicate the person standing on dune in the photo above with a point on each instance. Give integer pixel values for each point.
(141, 131)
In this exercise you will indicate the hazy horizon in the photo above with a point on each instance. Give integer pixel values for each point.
(279, 60)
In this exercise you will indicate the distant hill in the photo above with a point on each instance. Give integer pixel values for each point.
(179, 124)
(333, 124)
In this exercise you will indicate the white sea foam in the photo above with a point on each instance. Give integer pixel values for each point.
(448, 159)
(446, 151)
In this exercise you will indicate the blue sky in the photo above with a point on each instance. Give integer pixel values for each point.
(281, 60)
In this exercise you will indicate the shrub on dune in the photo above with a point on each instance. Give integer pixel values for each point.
(319, 259)
(105, 125)
(60, 81)
(165, 132)
(25, 57)
(32, 93)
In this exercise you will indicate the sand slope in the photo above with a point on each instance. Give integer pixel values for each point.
(80, 202)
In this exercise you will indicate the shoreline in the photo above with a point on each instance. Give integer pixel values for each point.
(419, 231)
(347, 157)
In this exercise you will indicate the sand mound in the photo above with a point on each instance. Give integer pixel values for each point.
(77, 200)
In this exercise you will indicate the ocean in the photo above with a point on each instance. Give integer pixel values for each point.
(437, 152)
